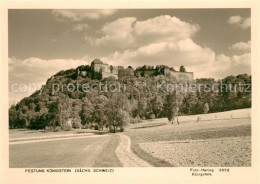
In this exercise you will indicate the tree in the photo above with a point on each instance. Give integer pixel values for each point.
(86, 112)
(32, 106)
(172, 104)
(115, 113)
(182, 69)
(54, 113)
(39, 121)
(13, 117)
(189, 103)
(122, 119)
(116, 119)
(98, 115)
(206, 108)
(142, 107)
(156, 106)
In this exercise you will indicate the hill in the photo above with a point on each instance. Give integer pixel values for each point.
(72, 100)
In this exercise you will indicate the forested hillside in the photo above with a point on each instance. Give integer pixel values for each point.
(65, 103)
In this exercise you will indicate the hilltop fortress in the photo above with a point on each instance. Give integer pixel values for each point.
(105, 70)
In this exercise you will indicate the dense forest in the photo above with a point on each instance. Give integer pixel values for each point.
(137, 98)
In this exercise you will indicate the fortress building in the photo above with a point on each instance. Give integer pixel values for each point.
(106, 71)
(188, 76)
(180, 76)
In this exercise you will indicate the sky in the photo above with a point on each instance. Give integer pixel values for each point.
(209, 42)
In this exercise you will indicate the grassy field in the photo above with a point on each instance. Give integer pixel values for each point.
(220, 152)
(26, 134)
(84, 152)
(221, 142)
(234, 114)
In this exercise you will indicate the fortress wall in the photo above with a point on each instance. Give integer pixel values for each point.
(182, 75)
(148, 73)
(106, 75)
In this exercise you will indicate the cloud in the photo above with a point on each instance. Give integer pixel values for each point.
(79, 15)
(202, 61)
(35, 72)
(54, 40)
(117, 33)
(244, 59)
(235, 19)
(168, 40)
(246, 24)
(182, 52)
(224, 65)
(81, 27)
(129, 33)
(242, 22)
(241, 46)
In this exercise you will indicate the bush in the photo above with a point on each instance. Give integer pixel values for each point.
(49, 128)
(143, 118)
(86, 126)
(152, 116)
(135, 120)
(66, 127)
(52, 129)
(57, 129)
(206, 108)
(77, 125)
(38, 123)
(95, 126)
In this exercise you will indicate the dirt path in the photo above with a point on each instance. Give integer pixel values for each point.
(126, 155)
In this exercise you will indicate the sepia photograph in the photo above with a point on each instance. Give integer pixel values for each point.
(129, 88)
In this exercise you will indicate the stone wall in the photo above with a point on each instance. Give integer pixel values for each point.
(106, 75)
(146, 73)
(180, 75)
